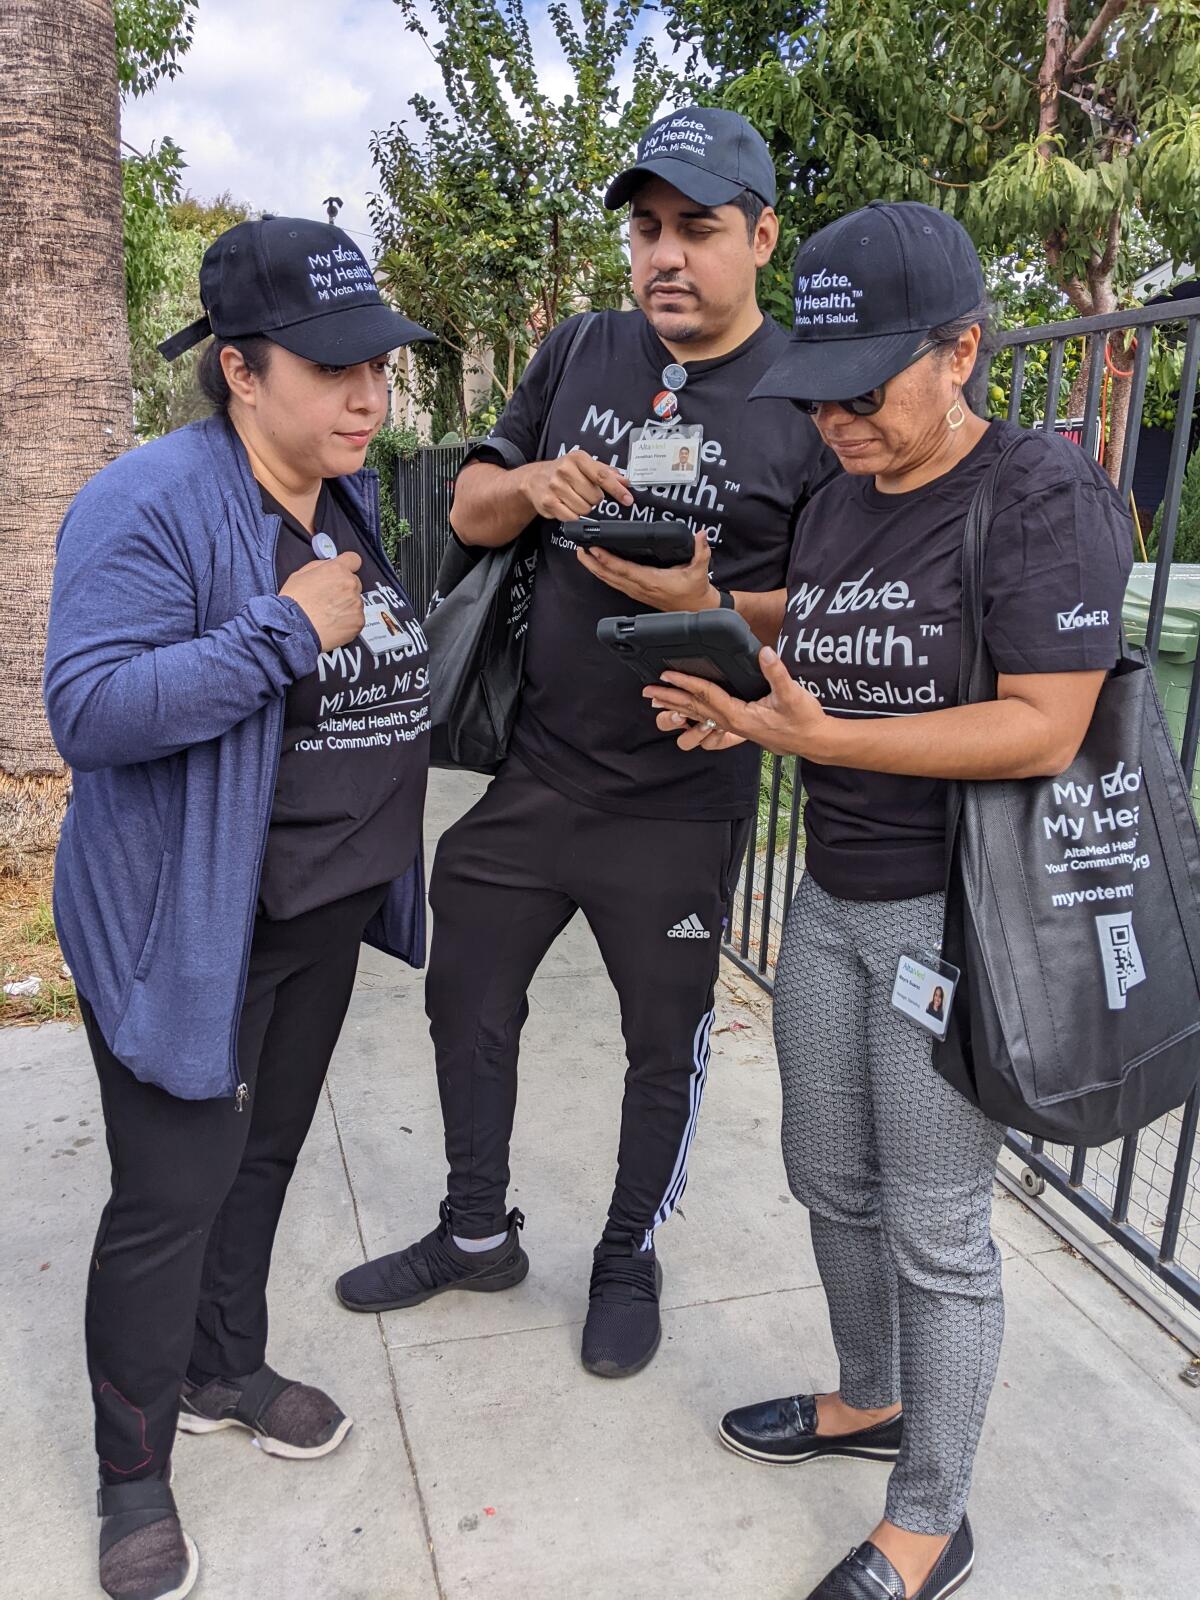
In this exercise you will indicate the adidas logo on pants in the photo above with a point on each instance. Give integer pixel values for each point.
(690, 928)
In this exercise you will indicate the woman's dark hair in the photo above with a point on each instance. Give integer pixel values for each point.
(947, 336)
(255, 351)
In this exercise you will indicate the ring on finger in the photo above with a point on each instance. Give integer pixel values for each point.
(709, 725)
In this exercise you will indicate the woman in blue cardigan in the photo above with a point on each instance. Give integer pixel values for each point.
(240, 687)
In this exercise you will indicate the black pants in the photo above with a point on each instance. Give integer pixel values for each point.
(507, 879)
(179, 1272)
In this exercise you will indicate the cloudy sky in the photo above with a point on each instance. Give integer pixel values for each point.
(277, 99)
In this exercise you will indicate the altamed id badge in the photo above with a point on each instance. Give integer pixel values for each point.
(386, 634)
(661, 453)
(924, 990)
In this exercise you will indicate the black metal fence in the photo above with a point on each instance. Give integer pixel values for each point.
(422, 493)
(1143, 1192)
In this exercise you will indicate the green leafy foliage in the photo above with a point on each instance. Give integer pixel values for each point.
(941, 104)
(165, 394)
(389, 446)
(151, 37)
(150, 187)
(489, 220)
(1187, 530)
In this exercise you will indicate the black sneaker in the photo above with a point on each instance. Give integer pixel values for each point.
(867, 1574)
(286, 1418)
(784, 1433)
(144, 1552)
(622, 1330)
(431, 1266)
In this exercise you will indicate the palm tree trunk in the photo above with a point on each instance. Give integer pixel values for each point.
(65, 394)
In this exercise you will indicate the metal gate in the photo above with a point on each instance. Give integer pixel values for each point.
(422, 489)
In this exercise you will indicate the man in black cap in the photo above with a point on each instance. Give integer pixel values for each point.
(595, 810)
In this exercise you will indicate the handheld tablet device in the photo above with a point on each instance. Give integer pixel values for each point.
(653, 544)
(717, 645)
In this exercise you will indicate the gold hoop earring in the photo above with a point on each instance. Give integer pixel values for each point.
(956, 416)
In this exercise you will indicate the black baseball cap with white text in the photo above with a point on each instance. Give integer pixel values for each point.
(304, 285)
(867, 291)
(708, 154)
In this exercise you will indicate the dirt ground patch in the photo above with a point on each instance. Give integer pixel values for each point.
(29, 948)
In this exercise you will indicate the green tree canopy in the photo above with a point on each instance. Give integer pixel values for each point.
(152, 36)
(489, 220)
(165, 394)
(1036, 125)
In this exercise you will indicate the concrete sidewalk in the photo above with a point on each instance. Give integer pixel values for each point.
(485, 1462)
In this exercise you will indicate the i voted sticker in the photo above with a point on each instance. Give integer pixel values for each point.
(664, 405)
(324, 546)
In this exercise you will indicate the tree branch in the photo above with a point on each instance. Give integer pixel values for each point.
(1108, 261)
(1051, 75)
(1107, 14)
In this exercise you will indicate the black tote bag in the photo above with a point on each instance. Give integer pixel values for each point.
(1073, 912)
(476, 628)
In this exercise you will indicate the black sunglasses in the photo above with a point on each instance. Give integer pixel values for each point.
(865, 405)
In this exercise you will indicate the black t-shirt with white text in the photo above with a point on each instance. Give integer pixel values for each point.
(353, 767)
(874, 624)
(582, 725)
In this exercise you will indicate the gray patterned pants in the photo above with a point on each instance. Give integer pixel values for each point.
(896, 1170)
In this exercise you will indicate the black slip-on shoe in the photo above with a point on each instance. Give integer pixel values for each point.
(144, 1552)
(433, 1265)
(622, 1330)
(784, 1433)
(867, 1574)
(286, 1418)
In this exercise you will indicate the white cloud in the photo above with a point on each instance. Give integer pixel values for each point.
(277, 99)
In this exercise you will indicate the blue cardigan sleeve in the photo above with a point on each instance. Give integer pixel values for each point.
(129, 675)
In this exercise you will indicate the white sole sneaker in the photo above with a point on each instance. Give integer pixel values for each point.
(190, 1423)
(193, 1571)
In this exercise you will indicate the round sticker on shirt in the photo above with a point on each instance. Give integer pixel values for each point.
(324, 546)
(674, 376)
(664, 405)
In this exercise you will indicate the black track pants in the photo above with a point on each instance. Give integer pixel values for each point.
(507, 879)
(179, 1272)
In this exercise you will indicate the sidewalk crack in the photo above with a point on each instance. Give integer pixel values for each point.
(391, 1368)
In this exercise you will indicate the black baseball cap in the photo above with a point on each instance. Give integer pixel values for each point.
(867, 290)
(305, 285)
(707, 154)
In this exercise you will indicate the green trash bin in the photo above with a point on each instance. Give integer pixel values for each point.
(1177, 642)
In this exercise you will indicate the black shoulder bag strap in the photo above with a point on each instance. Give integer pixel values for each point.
(585, 322)
(976, 677)
(504, 448)
(459, 559)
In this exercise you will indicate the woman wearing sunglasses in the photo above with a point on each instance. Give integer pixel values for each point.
(894, 1166)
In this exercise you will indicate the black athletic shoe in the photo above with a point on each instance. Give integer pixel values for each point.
(867, 1574)
(784, 1433)
(285, 1418)
(622, 1330)
(431, 1266)
(144, 1553)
